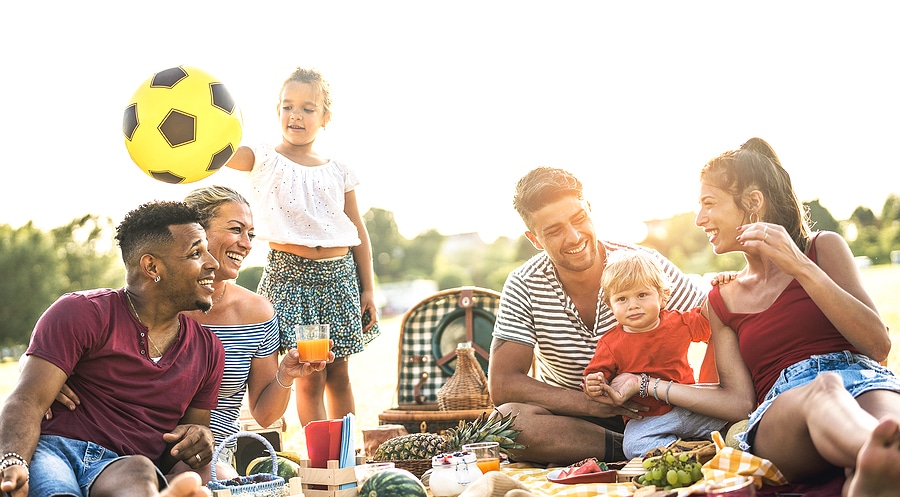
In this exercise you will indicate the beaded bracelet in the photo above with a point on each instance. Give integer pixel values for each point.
(10, 462)
(645, 382)
(667, 390)
(655, 384)
(280, 384)
(13, 455)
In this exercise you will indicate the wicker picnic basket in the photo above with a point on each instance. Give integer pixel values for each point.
(256, 485)
(417, 467)
(468, 387)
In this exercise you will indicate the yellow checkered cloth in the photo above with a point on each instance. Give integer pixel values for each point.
(535, 479)
(730, 462)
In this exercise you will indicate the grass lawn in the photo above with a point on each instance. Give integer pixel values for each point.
(374, 372)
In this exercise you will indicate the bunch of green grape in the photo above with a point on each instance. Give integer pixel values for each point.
(670, 471)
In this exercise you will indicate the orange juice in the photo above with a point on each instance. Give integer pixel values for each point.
(491, 464)
(313, 350)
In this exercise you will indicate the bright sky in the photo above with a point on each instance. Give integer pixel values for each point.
(441, 107)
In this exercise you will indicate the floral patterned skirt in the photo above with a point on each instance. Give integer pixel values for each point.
(307, 291)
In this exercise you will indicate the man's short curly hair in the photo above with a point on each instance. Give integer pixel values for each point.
(542, 186)
(147, 227)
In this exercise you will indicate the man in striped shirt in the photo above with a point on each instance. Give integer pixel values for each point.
(552, 315)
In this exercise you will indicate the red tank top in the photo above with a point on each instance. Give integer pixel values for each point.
(792, 329)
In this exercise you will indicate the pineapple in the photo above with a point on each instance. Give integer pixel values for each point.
(495, 428)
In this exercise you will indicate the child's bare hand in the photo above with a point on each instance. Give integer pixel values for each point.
(622, 387)
(594, 385)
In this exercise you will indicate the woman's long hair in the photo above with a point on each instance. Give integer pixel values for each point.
(755, 166)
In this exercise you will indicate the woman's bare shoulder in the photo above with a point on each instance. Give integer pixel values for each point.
(832, 248)
(254, 306)
(829, 238)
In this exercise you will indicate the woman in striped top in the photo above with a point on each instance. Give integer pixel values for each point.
(246, 324)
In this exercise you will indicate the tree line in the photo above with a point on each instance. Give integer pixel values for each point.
(38, 266)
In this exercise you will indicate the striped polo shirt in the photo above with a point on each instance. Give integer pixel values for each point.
(536, 311)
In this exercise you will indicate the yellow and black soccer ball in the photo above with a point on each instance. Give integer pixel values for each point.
(181, 125)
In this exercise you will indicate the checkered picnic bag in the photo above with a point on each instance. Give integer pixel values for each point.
(729, 462)
(429, 334)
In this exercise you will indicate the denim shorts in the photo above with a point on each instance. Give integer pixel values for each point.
(63, 466)
(860, 373)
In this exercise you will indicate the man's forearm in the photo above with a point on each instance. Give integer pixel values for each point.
(20, 427)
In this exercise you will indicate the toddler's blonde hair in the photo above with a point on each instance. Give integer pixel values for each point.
(632, 268)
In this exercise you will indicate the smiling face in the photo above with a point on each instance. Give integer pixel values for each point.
(719, 217)
(565, 231)
(230, 233)
(637, 308)
(302, 112)
(189, 269)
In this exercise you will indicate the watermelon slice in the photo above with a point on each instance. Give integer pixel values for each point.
(585, 467)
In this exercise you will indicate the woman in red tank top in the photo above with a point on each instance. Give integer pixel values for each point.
(798, 340)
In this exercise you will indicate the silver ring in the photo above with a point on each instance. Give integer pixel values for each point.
(765, 237)
(198, 457)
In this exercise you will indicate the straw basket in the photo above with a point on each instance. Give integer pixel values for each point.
(257, 485)
(468, 387)
(417, 467)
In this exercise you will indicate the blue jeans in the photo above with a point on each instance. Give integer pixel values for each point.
(644, 435)
(62, 466)
(860, 373)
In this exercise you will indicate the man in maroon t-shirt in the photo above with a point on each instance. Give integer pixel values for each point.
(147, 376)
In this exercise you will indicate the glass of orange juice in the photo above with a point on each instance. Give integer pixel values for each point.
(312, 342)
(487, 455)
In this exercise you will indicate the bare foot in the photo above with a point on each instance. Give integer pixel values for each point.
(186, 485)
(878, 463)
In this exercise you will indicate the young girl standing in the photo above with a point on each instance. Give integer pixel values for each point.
(319, 266)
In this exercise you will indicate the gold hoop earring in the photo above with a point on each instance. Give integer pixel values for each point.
(751, 217)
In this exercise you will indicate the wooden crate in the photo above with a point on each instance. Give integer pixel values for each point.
(330, 478)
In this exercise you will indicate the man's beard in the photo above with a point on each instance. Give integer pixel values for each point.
(582, 265)
(204, 306)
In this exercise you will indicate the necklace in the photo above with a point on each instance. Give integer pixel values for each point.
(159, 351)
(224, 289)
(131, 304)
